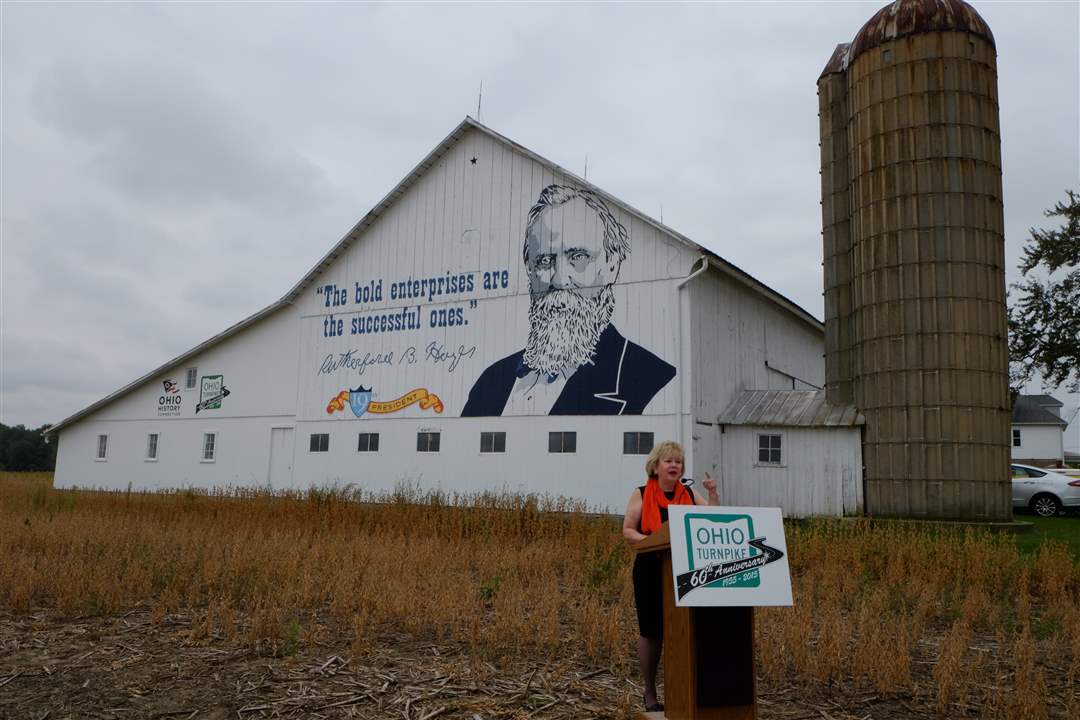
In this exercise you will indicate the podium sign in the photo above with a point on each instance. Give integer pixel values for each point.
(728, 556)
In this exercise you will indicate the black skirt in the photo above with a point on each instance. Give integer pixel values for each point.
(648, 597)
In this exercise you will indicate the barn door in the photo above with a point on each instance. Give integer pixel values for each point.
(281, 457)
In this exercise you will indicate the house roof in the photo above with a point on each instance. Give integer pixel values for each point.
(1044, 400)
(788, 408)
(715, 261)
(1028, 411)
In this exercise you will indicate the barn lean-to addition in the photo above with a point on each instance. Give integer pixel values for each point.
(415, 352)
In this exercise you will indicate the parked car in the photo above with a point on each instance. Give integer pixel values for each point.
(1045, 491)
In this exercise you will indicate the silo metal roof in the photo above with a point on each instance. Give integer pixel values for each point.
(838, 60)
(910, 17)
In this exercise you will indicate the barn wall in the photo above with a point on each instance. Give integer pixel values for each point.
(743, 341)
(258, 368)
(598, 473)
(821, 472)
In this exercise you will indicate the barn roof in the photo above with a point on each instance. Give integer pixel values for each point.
(788, 408)
(714, 261)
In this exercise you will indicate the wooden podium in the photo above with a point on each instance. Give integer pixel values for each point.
(708, 653)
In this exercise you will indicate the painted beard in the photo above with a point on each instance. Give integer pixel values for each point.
(565, 328)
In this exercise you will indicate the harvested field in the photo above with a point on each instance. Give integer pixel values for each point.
(324, 604)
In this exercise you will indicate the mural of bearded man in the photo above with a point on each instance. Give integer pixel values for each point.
(575, 361)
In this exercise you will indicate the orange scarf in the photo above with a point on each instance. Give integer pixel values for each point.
(653, 498)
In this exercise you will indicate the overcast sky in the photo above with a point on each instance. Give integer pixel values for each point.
(169, 169)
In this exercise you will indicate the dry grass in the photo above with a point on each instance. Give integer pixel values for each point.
(960, 621)
(499, 571)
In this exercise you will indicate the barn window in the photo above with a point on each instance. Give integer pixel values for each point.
(151, 446)
(368, 442)
(209, 446)
(102, 446)
(768, 449)
(562, 442)
(192, 376)
(320, 442)
(1016, 437)
(427, 441)
(492, 442)
(637, 443)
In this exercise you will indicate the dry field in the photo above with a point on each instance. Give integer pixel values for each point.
(334, 603)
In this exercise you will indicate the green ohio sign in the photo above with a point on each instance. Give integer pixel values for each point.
(712, 539)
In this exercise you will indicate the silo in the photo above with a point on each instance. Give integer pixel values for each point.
(929, 346)
(836, 228)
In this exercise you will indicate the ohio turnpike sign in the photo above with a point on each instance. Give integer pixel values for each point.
(729, 556)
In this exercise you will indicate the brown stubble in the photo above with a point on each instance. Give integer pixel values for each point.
(953, 620)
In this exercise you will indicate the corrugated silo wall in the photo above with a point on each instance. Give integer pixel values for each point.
(928, 277)
(836, 231)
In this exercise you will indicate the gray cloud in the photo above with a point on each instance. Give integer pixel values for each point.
(160, 136)
(168, 169)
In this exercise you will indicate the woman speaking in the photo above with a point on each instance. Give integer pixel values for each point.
(645, 512)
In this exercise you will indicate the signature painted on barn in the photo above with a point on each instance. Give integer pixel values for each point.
(436, 353)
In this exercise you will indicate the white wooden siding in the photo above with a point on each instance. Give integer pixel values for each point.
(742, 342)
(259, 368)
(821, 472)
(1038, 442)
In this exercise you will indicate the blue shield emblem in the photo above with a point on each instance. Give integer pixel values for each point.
(359, 399)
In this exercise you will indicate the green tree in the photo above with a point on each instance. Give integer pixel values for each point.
(22, 449)
(1044, 320)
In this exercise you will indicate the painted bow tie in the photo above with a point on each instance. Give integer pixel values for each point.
(522, 370)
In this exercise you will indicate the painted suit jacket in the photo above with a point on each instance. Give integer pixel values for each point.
(622, 379)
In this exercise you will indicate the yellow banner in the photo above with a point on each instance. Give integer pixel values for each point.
(427, 401)
(421, 395)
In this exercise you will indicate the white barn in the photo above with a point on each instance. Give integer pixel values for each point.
(495, 322)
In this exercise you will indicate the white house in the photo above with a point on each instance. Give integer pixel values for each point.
(1038, 431)
(495, 322)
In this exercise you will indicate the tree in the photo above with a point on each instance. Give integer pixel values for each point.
(25, 450)
(1044, 322)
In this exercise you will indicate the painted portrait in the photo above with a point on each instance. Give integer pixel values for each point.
(575, 362)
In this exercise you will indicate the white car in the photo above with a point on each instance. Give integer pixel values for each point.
(1045, 491)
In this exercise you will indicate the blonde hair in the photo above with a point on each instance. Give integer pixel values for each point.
(660, 451)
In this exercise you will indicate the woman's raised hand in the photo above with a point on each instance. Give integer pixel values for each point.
(709, 484)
